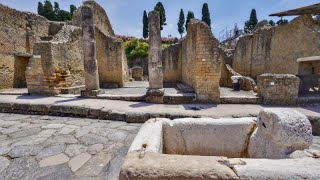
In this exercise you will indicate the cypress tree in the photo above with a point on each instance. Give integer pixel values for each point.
(72, 9)
(206, 14)
(48, 10)
(181, 22)
(190, 16)
(145, 25)
(253, 21)
(282, 21)
(56, 11)
(40, 9)
(160, 8)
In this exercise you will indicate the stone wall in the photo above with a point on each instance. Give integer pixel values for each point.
(112, 61)
(276, 49)
(100, 18)
(200, 59)
(18, 32)
(171, 61)
(278, 89)
(57, 63)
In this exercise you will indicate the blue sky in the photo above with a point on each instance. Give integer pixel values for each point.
(126, 15)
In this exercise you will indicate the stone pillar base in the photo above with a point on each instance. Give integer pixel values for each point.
(91, 93)
(155, 96)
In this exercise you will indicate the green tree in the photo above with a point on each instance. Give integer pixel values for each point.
(190, 16)
(48, 10)
(181, 22)
(136, 49)
(253, 21)
(72, 9)
(160, 8)
(282, 21)
(145, 25)
(56, 11)
(64, 15)
(206, 14)
(272, 23)
(40, 9)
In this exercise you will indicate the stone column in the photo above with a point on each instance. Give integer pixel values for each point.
(156, 92)
(89, 52)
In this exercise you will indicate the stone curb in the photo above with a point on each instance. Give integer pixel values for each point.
(110, 114)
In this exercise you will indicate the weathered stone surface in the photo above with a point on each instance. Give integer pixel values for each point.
(287, 169)
(137, 73)
(95, 149)
(279, 133)
(91, 139)
(78, 161)
(20, 168)
(156, 166)
(51, 151)
(24, 133)
(58, 172)
(4, 150)
(53, 126)
(23, 151)
(94, 166)
(75, 149)
(4, 163)
(54, 160)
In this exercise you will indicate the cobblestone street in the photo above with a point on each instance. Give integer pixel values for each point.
(46, 147)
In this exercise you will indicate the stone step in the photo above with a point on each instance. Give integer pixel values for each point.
(309, 100)
(184, 98)
(240, 100)
(123, 97)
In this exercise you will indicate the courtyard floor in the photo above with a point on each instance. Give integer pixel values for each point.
(47, 147)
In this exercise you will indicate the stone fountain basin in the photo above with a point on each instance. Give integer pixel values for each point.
(207, 148)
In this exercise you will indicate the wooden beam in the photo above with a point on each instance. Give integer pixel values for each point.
(312, 9)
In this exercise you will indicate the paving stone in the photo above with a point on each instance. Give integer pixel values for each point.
(24, 151)
(21, 125)
(83, 131)
(4, 150)
(51, 151)
(128, 128)
(90, 139)
(102, 131)
(72, 126)
(78, 161)
(4, 163)
(26, 132)
(7, 131)
(75, 149)
(47, 132)
(115, 124)
(30, 140)
(20, 168)
(53, 126)
(65, 131)
(38, 125)
(3, 137)
(118, 136)
(78, 122)
(94, 166)
(58, 172)
(68, 139)
(54, 160)
(5, 124)
(95, 149)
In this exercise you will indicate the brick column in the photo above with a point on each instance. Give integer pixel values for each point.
(89, 51)
(156, 92)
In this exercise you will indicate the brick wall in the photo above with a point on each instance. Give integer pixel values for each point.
(278, 89)
(198, 58)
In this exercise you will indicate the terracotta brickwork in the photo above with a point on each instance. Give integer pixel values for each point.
(278, 89)
(200, 59)
(276, 49)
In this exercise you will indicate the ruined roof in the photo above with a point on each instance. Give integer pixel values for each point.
(312, 9)
(307, 59)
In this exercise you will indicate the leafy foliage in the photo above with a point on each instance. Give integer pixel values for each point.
(181, 28)
(54, 13)
(272, 23)
(145, 25)
(206, 14)
(282, 21)
(160, 8)
(251, 24)
(136, 49)
(190, 16)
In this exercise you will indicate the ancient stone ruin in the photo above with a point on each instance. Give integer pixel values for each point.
(171, 149)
